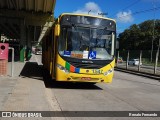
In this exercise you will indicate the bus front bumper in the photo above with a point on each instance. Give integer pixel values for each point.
(79, 77)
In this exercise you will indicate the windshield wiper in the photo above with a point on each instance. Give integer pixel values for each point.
(101, 33)
(74, 25)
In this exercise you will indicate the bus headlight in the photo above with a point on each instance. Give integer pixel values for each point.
(62, 68)
(108, 72)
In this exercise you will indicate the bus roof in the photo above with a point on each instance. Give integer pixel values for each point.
(86, 15)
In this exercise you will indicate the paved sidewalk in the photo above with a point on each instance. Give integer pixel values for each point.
(26, 92)
(6, 86)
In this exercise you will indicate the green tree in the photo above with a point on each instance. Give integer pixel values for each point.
(139, 37)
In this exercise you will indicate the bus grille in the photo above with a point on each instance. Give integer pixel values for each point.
(86, 65)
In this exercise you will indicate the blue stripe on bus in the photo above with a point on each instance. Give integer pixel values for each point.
(77, 70)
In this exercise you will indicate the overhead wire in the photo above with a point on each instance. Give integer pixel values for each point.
(138, 12)
(130, 5)
(142, 11)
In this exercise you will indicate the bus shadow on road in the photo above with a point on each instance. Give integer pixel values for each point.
(71, 85)
(49, 83)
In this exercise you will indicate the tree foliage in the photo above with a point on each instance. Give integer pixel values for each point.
(140, 36)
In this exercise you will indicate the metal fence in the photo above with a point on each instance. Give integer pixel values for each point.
(142, 61)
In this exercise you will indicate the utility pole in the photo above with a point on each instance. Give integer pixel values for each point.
(153, 30)
(157, 55)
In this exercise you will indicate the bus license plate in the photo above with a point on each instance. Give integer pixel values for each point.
(85, 78)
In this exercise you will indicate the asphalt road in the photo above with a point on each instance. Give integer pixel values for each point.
(127, 92)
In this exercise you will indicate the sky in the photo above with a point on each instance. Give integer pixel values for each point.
(125, 12)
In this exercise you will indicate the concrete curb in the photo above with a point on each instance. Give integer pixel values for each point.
(148, 75)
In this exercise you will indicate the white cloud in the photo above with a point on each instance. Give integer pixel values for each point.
(125, 17)
(90, 6)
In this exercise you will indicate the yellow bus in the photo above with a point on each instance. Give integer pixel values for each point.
(80, 48)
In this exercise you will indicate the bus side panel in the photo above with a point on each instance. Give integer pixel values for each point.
(46, 54)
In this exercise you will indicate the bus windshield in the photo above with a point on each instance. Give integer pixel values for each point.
(86, 43)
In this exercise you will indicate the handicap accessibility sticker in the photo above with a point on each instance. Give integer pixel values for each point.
(67, 53)
(92, 54)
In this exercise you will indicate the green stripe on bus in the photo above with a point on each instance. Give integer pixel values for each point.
(67, 66)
